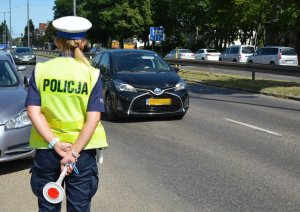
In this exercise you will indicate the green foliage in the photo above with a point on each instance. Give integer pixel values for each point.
(189, 23)
(32, 35)
(4, 32)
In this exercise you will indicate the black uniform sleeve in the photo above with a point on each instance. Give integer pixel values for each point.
(96, 102)
(33, 95)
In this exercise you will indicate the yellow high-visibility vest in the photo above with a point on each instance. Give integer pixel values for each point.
(65, 86)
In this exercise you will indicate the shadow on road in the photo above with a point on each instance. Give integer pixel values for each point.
(246, 103)
(198, 88)
(14, 166)
(121, 120)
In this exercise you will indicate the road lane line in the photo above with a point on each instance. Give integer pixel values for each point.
(254, 127)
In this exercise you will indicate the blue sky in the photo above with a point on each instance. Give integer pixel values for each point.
(40, 11)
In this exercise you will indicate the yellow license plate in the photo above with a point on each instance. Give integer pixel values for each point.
(153, 102)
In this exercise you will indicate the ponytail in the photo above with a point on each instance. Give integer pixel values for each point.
(72, 47)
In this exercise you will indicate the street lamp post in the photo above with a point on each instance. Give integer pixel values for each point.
(28, 39)
(74, 7)
(10, 37)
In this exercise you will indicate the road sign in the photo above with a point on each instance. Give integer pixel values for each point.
(157, 33)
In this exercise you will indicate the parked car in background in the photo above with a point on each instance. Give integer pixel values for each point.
(24, 55)
(207, 54)
(237, 53)
(3, 46)
(11, 58)
(139, 83)
(181, 54)
(15, 125)
(275, 55)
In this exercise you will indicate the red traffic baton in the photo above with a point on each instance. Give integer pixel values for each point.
(53, 192)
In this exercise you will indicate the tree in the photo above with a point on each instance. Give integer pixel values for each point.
(64, 8)
(4, 33)
(32, 36)
(190, 24)
(119, 19)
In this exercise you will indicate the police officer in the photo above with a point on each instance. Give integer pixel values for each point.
(64, 103)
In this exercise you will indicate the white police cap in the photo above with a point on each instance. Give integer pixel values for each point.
(72, 27)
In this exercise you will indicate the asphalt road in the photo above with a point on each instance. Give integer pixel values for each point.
(233, 151)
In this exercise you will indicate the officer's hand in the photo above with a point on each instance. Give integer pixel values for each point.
(62, 148)
(67, 159)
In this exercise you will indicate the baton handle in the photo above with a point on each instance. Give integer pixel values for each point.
(62, 175)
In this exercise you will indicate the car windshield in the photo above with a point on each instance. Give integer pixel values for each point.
(23, 50)
(7, 75)
(248, 50)
(185, 51)
(139, 62)
(288, 51)
(212, 50)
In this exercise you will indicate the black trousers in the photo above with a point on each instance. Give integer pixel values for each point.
(79, 188)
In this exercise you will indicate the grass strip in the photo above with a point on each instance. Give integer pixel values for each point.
(278, 88)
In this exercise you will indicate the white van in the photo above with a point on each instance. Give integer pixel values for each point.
(275, 55)
(237, 53)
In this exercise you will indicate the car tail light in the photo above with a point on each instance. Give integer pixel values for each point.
(279, 56)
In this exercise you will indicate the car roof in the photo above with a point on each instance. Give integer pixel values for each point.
(277, 47)
(241, 45)
(4, 57)
(208, 49)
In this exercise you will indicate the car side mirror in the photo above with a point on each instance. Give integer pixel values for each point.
(176, 69)
(21, 68)
(26, 81)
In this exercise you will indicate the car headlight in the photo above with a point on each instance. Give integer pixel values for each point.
(180, 85)
(20, 121)
(16, 56)
(122, 86)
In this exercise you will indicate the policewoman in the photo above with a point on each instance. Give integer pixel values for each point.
(64, 103)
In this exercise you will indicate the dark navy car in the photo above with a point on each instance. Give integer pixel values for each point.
(139, 83)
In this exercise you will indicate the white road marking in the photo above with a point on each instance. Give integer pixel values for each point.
(253, 127)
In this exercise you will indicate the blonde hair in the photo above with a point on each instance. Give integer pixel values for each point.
(72, 47)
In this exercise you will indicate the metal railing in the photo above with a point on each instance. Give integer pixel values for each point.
(270, 69)
(253, 68)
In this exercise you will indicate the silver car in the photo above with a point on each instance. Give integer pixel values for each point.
(15, 124)
(181, 54)
(24, 55)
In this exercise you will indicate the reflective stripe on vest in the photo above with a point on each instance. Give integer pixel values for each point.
(65, 86)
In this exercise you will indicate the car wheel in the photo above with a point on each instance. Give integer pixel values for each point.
(250, 61)
(272, 63)
(203, 58)
(234, 60)
(109, 110)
